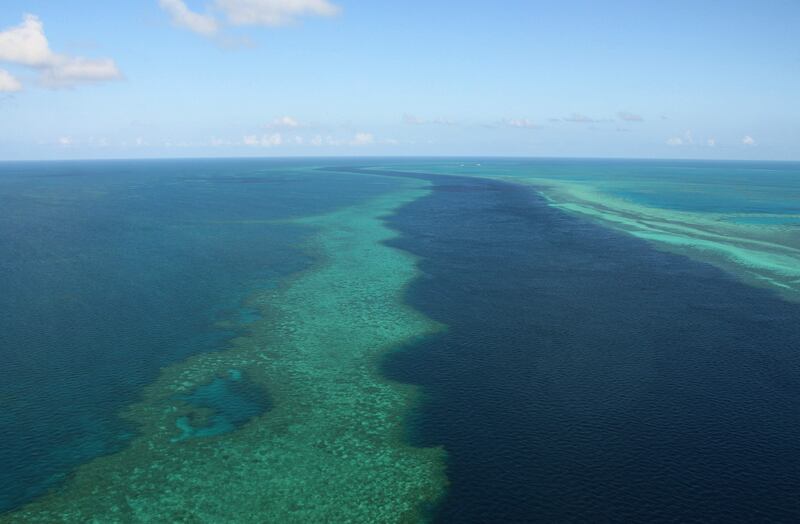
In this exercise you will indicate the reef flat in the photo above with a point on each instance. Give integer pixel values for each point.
(741, 217)
(330, 449)
(759, 249)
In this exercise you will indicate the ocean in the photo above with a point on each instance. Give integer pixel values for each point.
(462, 340)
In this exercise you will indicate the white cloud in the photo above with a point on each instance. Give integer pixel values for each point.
(630, 117)
(362, 139)
(686, 140)
(359, 139)
(748, 140)
(275, 139)
(66, 71)
(65, 141)
(27, 45)
(182, 16)
(580, 119)
(711, 142)
(522, 123)
(284, 122)
(8, 84)
(273, 12)
(271, 140)
(413, 120)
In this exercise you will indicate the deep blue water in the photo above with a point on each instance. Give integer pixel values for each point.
(110, 271)
(585, 376)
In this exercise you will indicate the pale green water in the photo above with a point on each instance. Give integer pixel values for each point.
(741, 216)
(332, 448)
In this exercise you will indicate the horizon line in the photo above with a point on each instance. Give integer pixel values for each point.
(404, 157)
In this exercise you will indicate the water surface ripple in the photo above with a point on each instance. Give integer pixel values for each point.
(586, 376)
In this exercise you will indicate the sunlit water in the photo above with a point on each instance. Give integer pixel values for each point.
(588, 369)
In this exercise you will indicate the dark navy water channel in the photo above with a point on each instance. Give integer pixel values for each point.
(586, 376)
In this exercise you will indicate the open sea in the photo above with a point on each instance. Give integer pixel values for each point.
(580, 372)
(110, 271)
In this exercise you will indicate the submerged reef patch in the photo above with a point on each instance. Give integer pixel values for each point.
(331, 448)
(740, 217)
(761, 250)
(224, 404)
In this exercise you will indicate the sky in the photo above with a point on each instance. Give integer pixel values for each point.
(716, 79)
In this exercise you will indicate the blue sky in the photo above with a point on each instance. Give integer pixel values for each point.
(177, 78)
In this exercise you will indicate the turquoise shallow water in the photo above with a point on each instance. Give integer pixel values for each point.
(774, 220)
(110, 271)
(739, 216)
(701, 186)
(576, 369)
(230, 401)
